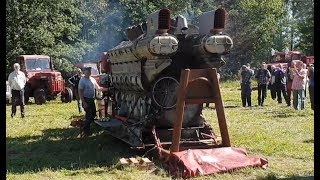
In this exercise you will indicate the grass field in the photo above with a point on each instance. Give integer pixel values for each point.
(43, 146)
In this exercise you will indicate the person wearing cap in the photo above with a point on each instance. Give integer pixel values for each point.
(246, 87)
(17, 81)
(311, 84)
(298, 86)
(87, 86)
(263, 76)
(74, 82)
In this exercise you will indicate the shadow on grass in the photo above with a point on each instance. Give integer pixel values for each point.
(294, 177)
(253, 88)
(282, 113)
(61, 149)
(227, 107)
(309, 141)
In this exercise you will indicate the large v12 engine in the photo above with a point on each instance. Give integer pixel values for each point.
(145, 72)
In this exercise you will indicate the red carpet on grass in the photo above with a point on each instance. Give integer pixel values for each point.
(195, 162)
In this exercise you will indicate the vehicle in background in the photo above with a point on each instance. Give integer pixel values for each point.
(94, 69)
(94, 73)
(44, 83)
(284, 58)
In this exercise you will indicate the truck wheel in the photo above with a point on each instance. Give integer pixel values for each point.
(27, 90)
(39, 96)
(66, 95)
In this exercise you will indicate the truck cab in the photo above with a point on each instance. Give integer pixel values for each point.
(94, 69)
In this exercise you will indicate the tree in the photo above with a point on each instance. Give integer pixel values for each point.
(44, 27)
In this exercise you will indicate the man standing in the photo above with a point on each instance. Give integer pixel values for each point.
(289, 74)
(299, 86)
(87, 86)
(17, 81)
(280, 84)
(263, 77)
(272, 85)
(311, 85)
(74, 81)
(246, 88)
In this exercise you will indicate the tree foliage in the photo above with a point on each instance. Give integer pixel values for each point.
(80, 30)
(45, 27)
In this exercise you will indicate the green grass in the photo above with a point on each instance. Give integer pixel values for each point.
(43, 146)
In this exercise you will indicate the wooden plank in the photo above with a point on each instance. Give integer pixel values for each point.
(124, 161)
(134, 161)
(146, 161)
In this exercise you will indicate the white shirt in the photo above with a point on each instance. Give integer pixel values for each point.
(88, 85)
(17, 81)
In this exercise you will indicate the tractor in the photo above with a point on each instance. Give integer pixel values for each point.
(43, 82)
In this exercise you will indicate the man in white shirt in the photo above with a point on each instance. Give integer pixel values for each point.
(17, 81)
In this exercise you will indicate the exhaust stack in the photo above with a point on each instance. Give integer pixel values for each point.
(158, 22)
(212, 22)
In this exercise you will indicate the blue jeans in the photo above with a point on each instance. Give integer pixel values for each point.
(299, 99)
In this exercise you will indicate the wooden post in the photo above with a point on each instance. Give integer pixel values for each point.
(220, 111)
(176, 134)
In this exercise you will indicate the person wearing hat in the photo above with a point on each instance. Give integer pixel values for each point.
(87, 86)
(263, 76)
(74, 82)
(17, 81)
(246, 87)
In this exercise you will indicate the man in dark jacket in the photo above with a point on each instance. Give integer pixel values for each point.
(74, 81)
(246, 75)
(271, 84)
(280, 84)
(263, 77)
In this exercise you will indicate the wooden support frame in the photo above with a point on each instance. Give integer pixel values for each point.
(198, 86)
